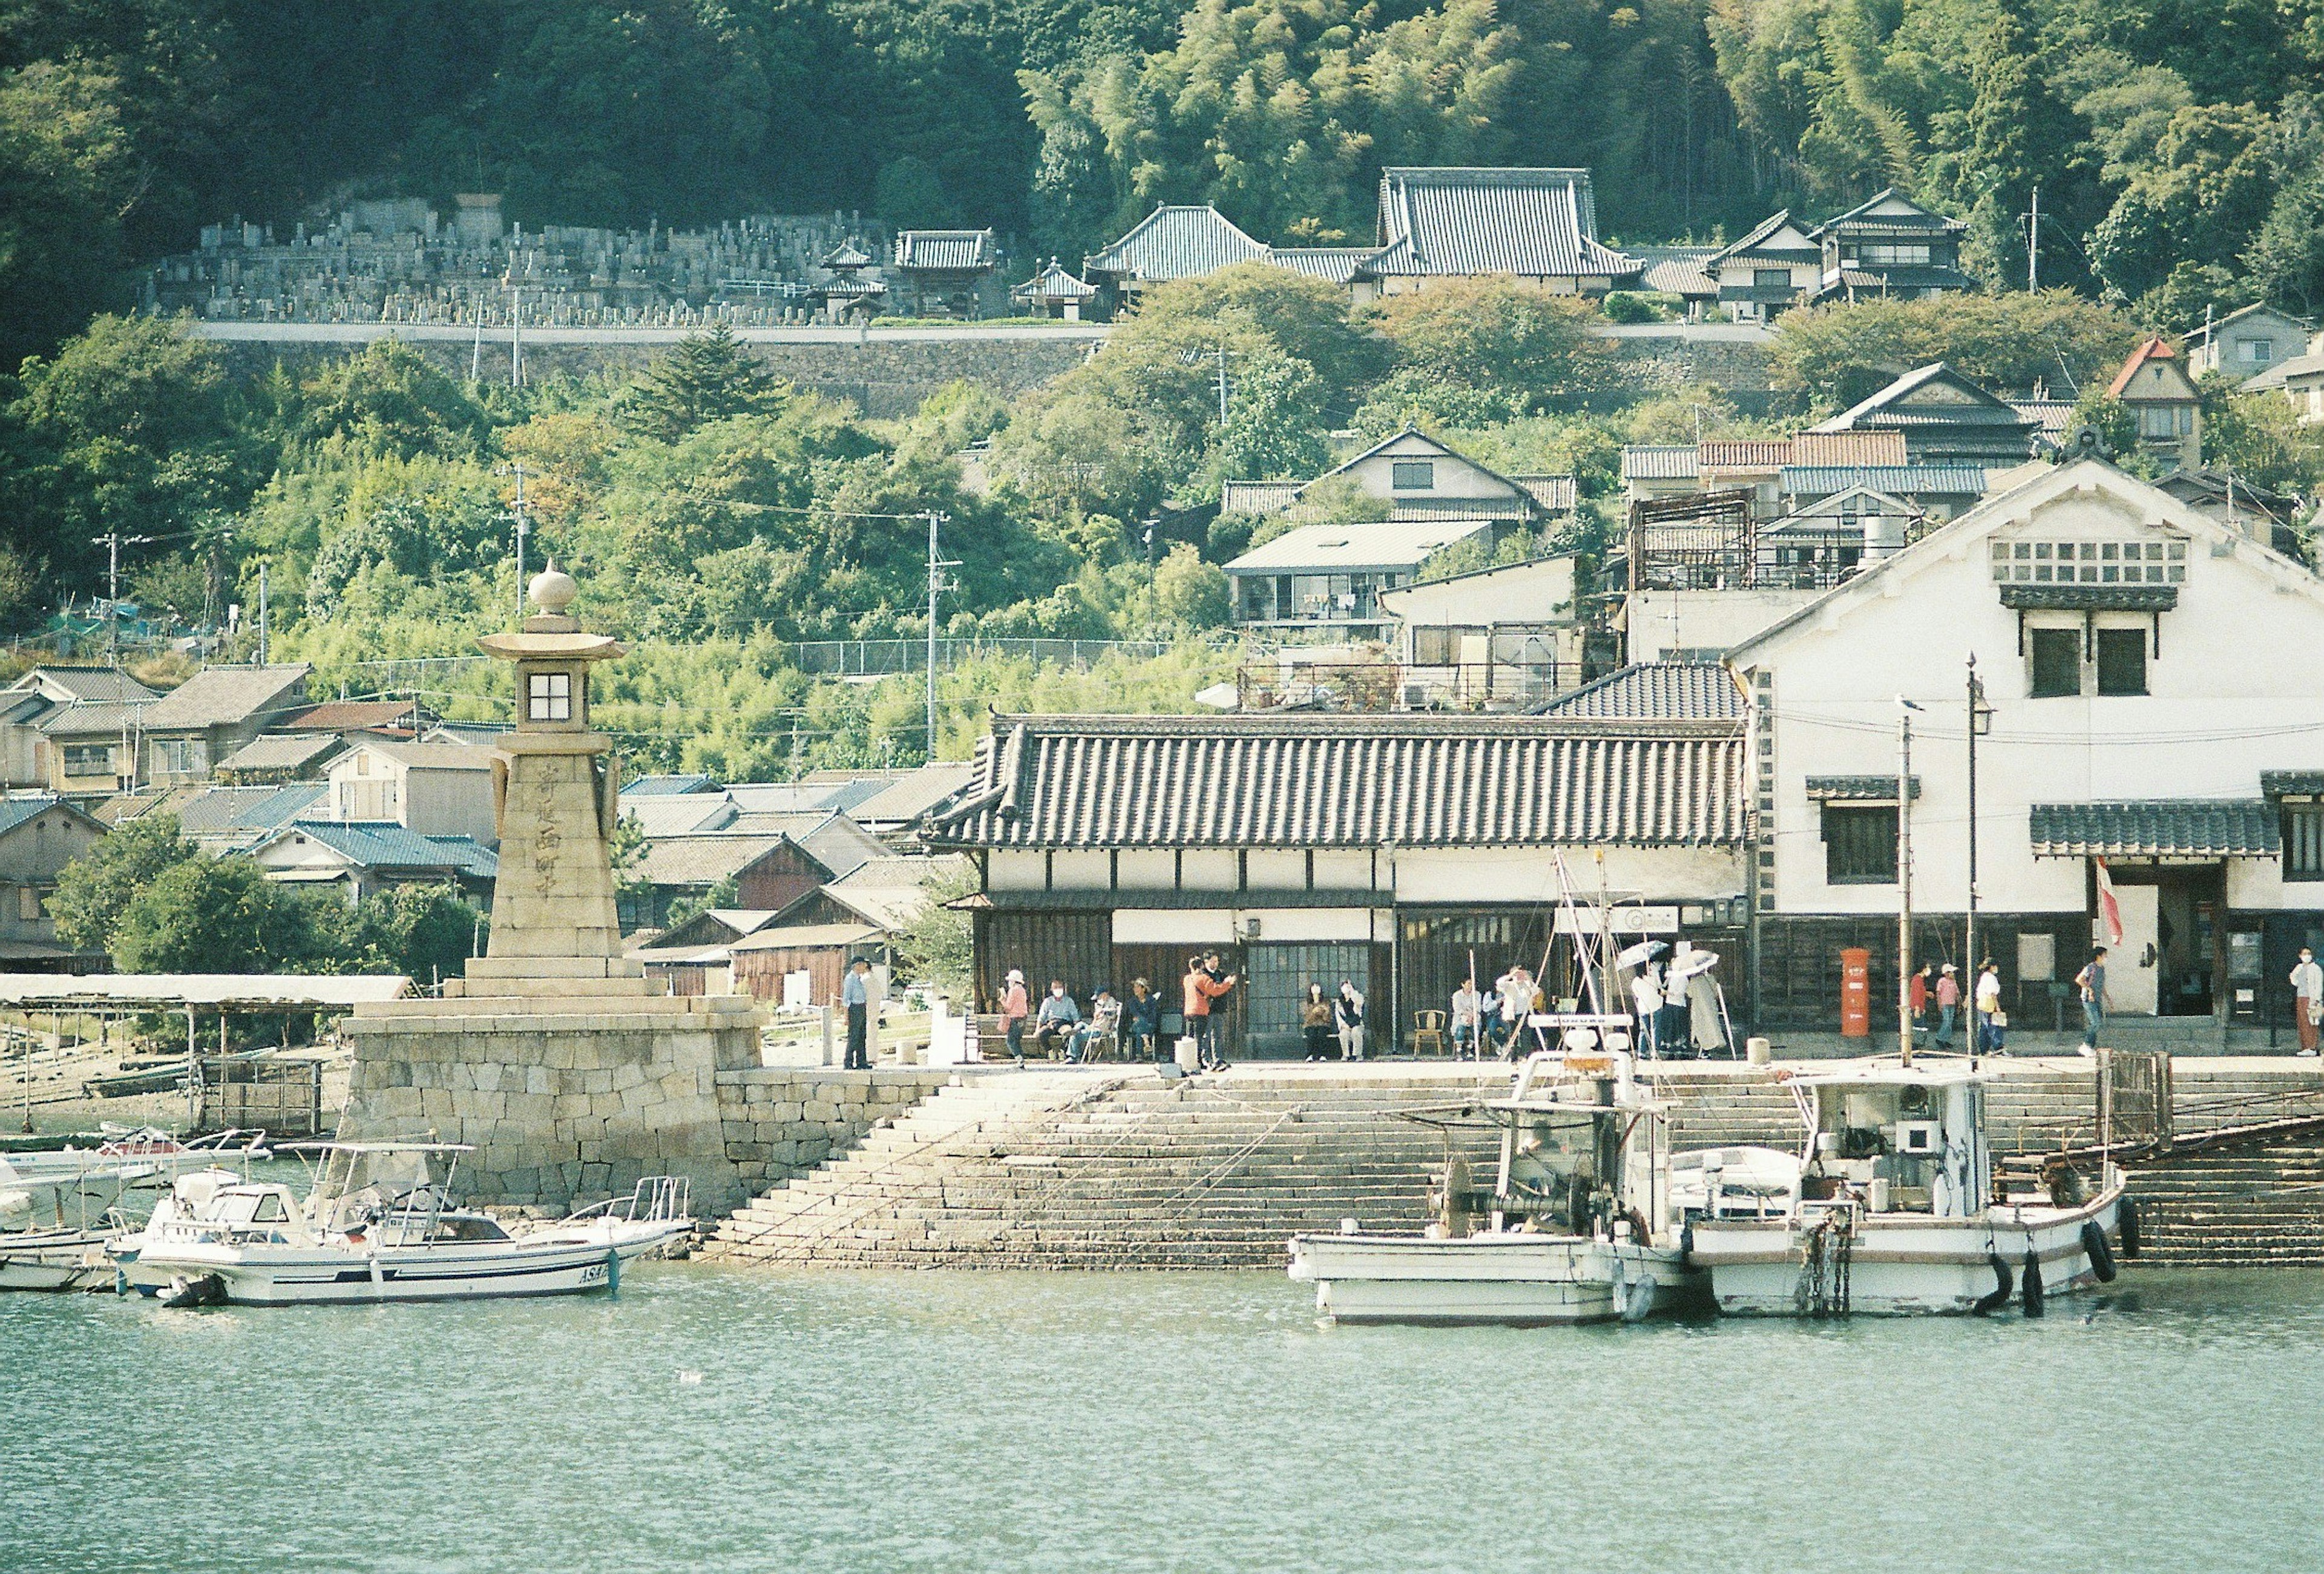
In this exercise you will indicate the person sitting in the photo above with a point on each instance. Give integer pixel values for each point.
(1104, 1023)
(1054, 1025)
(1141, 1021)
(1468, 1008)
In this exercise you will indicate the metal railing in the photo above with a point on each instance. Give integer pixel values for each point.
(884, 657)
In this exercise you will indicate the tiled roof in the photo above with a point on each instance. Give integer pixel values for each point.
(2157, 349)
(1744, 454)
(283, 752)
(949, 250)
(1854, 219)
(679, 814)
(234, 812)
(1556, 493)
(1337, 264)
(1676, 270)
(2164, 828)
(702, 860)
(892, 891)
(351, 715)
(1971, 406)
(1753, 239)
(847, 255)
(1848, 447)
(226, 695)
(1176, 243)
(800, 797)
(1258, 496)
(1655, 692)
(670, 786)
(1053, 283)
(95, 718)
(2276, 783)
(15, 811)
(1380, 544)
(1330, 781)
(1858, 789)
(1533, 223)
(374, 844)
(88, 682)
(1659, 462)
(1903, 480)
(2050, 417)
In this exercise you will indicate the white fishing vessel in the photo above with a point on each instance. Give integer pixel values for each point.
(380, 1225)
(1578, 1226)
(1895, 1208)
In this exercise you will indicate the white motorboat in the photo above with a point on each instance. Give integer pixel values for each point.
(72, 1258)
(1895, 1209)
(56, 1222)
(1578, 1226)
(380, 1225)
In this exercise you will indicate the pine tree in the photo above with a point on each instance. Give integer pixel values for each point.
(707, 377)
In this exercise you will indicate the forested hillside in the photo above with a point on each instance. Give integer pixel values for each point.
(2176, 142)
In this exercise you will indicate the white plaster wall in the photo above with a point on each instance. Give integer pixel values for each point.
(1706, 619)
(1467, 876)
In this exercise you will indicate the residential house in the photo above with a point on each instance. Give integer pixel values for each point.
(948, 271)
(42, 692)
(692, 957)
(291, 756)
(2153, 385)
(835, 840)
(40, 834)
(1328, 578)
(2132, 729)
(896, 813)
(770, 871)
(2268, 517)
(236, 820)
(1945, 419)
(432, 789)
(1682, 271)
(209, 715)
(2299, 379)
(1755, 465)
(1891, 246)
(1400, 852)
(2246, 343)
(88, 749)
(1492, 639)
(1414, 477)
(365, 857)
(404, 718)
(1054, 293)
(1768, 269)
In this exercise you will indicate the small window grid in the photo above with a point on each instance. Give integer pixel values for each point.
(2040, 562)
(1413, 475)
(2304, 842)
(550, 696)
(1860, 844)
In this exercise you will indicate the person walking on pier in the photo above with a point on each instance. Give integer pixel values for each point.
(2091, 981)
(1315, 1022)
(1015, 1007)
(1203, 986)
(1348, 1016)
(855, 994)
(2307, 999)
(1646, 1001)
(1992, 1023)
(1141, 1023)
(1948, 1004)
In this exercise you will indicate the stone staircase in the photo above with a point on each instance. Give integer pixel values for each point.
(1116, 1171)
(2245, 1204)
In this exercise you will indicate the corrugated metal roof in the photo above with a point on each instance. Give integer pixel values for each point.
(1904, 480)
(1659, 462)
(806, 936)
(1533, 223)
(2050, 417)
(1324, 780)
(1381, 544)
(945, 250)
(224, 696)
(2160, 828)
(1176, 243)
(1655, 692)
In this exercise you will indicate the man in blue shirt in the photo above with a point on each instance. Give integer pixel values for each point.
(1053, 1023)
(855, 994)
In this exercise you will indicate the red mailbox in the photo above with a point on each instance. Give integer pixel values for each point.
(1855, 992)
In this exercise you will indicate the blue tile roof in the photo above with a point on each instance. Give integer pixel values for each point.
(384, 844)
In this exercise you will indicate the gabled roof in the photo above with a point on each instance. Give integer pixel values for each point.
(902, 803)
(889, 892)
(847, 255)
(2155, 351)
(66, 683)
(1742, 454)
(234, 813)
(947, 250)
(229, 696)
(384, 845)
(679, 814)
(1176, 243)
(1655, 692)
(1937, 222)
(1756, 239)
(18, 811)
(702, 860)
(2219, 325)
(1535, 223)
(1904, 480)
(86, 718)
(1382, 544)
(283, 752)
(711, 926)
(1348, 781)
(429, 756)
(1053, 283)
(1966, 404)
(353, 716)
(1676, 269)
(1660, 462)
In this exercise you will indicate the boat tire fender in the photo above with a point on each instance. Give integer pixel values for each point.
(1640, 1300)
(2094, 1242)
(1686, 1245)
(2126, 1227)
(2031, 1285)
(2002, 1287)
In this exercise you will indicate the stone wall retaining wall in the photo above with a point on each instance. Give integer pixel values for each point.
(783, 1121)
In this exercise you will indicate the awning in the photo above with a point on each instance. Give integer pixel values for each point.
(1857, 789)
(2292, 783)
(229, 991)
(2158, 828)
(2089, 597)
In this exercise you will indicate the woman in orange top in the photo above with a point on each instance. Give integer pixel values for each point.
(1202, 987)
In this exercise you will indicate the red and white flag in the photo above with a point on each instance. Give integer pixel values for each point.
(2109, 909)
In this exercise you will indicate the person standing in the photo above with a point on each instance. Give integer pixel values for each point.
(1516, 989)
(1016, 1005)
(1203, 986)
(1948, 1004)
(1916, 998)
(2091, 983)
(1992, 1023)
(1467, 1020)
(1348, 1016)
(1646, 1001)
(2308, 999)
(1141, 1021)
(1675, 1023)
(1315, 1022)
(855, 995)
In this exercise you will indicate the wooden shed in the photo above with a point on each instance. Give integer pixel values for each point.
(763, 962)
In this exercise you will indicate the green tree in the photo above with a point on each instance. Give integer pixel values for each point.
(1835, 356)
(1493, 334)
(933, 947)
(67, 170)
(425, 933)
(390, 400)
(708, 377)
(1189, 593)
(686, 909)
(220, 915)
(97, 888)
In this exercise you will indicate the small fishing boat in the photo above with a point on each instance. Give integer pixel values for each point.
(1577, 1227)
(1893, 1208)
(380, 1224)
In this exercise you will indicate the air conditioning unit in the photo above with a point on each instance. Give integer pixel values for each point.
(1920, 1138)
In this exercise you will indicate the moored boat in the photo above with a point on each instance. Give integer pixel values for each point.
(381, 1225)
(1578, 1225)
(1895, 1209)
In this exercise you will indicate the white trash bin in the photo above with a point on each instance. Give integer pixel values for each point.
(1189, 1056)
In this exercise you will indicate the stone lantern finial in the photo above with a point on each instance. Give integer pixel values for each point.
(553, 590)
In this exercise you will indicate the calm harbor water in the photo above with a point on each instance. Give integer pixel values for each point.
(1118, 1422)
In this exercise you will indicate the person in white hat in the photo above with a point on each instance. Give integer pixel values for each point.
(1016, 1005)
(1948, 1003)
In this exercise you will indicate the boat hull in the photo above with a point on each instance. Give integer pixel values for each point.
(562, 1261)
(1904, 1266)
(1524, 1280)
(58, 1260)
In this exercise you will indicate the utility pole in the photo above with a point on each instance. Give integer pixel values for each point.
(261, 612)
(1980, 719)
(1223, 384)
(523, 527)
(476, 355)
(1905, 708)
(2033, 243)
(516, 329)
(114, 542)
(937, 584)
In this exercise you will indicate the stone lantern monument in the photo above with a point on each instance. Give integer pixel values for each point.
(554, 1056)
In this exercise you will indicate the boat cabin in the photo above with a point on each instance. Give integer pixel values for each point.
(1895, 1140)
